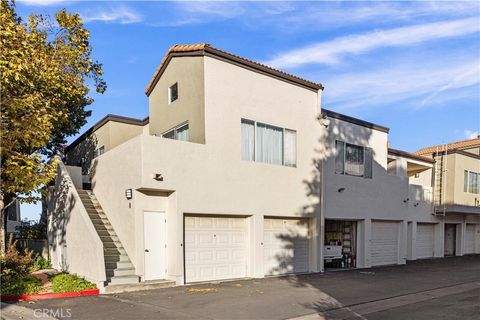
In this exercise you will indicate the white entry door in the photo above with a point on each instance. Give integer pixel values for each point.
(215, 248)
(425, 240)
(154, 228)
(470, 239)
(384, 243)
(286, 246)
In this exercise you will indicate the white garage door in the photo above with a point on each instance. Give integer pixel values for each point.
(425, 240)
(215, 248)
(286, 245)
(470, 239)
(384, 244)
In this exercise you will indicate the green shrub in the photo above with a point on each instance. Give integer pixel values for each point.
(16, 284)
(14, 260)
(40, 263)
(64, 282)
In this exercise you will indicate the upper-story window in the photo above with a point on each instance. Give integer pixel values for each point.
(100, 151)
(173, 93)
(180, 132)
(268, 144)
(471, 182)
(353, 160)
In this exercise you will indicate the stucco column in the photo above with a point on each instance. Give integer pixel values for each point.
(402, 254)
(316, 247)
(460, 247)
(439, 249)
(411, 240)
(364, 237)
(256, 265)
(175, 240)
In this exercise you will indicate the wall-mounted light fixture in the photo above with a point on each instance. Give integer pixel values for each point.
(406, 200)
(158, 177)
(341, 189)
(128, 194)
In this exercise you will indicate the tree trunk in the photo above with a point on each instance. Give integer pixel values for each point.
(5, 202)
(3, 225)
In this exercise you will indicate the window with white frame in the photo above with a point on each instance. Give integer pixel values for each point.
(173, 93)
(180, 132)
(353, 160)
(471, 182)
(265, 143)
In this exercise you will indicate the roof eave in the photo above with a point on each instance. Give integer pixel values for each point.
(228, 57)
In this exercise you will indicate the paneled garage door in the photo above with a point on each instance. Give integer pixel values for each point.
(286, 246)
(215, 248)
(425, 240)
(470, 239)
(384, 244)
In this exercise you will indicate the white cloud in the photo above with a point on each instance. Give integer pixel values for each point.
(331, 52)
(414, 83)
(469, 77)
(469, 134)
(118, 14)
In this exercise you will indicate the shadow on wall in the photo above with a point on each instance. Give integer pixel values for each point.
(62, 205)
(295, 239)
(83, 154)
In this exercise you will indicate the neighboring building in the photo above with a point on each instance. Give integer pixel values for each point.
(373, 210)
(237, 172)
(457, 193)
(14, 218)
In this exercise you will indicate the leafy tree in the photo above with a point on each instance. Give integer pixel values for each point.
(30, 229)
(46, 69)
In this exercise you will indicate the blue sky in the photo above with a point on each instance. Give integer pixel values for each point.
(411, 66)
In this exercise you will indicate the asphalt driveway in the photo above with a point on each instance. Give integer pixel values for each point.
(418, 290)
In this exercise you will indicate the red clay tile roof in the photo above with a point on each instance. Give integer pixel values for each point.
(207, 49)
(458, 145)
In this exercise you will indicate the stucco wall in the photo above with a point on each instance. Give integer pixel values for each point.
(188, 72)
(460, 164)
(111, 174)
(378, 198)
(74, 244)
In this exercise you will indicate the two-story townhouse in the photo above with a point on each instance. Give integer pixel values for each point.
(374, 213)
(236, 172)
(456, 181)
(215, 184)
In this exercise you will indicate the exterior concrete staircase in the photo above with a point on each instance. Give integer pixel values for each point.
(118, 267)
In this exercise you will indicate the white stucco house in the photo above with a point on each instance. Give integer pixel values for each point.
(237, 172)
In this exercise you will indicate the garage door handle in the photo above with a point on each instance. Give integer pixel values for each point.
(146, 250)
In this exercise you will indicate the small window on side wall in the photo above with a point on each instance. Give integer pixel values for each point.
(100, 151)
(173, 93)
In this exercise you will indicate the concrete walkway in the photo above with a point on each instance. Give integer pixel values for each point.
(377, 293)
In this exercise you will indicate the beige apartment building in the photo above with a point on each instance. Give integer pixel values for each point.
(456, 181)
(237, 172)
